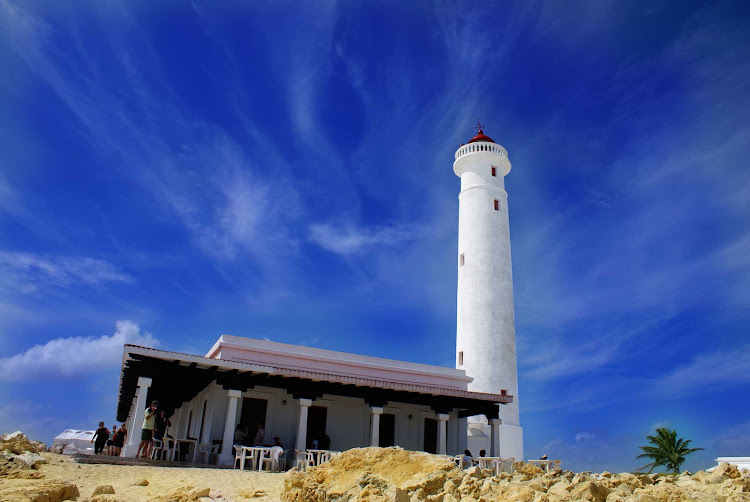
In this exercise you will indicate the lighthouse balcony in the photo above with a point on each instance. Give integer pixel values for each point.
(480, 147)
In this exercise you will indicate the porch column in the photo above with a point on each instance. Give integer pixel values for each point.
(227, 442)
(375, 412)
(495, 436)
(134, 434)
(304, 405)
(442, 419)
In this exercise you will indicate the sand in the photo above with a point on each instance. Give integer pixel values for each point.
(224, 484)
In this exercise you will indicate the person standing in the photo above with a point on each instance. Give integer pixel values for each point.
(101, 435)
(147, 431)
(119, 440)
(110, 441)
(259, 435)
(161, 426)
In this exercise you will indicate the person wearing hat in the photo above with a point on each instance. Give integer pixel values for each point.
(147, 431)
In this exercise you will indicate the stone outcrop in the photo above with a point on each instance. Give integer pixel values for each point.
(184, 494)
(393, 474)
(38, 491)
(18, 443)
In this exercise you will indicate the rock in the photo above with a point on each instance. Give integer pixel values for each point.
(723, 472)
(184, 494)
(39, 445)
(17, 442)
(474, 472)
(103, 490)
(30, 459)
(527, 469)
(42, 490)
(589, 490)
(143, 482)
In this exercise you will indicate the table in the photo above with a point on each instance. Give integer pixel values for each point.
(193, 447)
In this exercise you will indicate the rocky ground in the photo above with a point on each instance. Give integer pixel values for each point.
(392, 474)
(29, 474)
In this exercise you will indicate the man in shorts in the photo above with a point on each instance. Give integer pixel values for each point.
(147, 431)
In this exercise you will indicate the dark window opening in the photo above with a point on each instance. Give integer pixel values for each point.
(461, 358)
(461, 260)
(387, 430)
(497, 205)
(430, 435)
(494, 171)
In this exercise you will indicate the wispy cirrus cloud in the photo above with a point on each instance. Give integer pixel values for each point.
(74, 356)
(27, 272)
(346, 238)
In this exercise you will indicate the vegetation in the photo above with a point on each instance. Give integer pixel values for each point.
(666, 450)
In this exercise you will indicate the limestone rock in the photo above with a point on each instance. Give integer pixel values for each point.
(17, 442)
(103, 490)
(30, 459)
(589, 490)
(184, 494)
(39, 491)
(723, 472)
(143, 482)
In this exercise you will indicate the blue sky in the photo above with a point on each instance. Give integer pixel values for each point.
(173, 171)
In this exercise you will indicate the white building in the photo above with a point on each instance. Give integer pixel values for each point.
(297, 392)
(485, 330)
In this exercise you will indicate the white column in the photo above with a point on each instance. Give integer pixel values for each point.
(375, 412)
(442, 419)
(495, 437)
(226, 456)
(134, 434)
(304, 405)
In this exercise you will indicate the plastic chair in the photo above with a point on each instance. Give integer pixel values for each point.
(282, 460)
(239, 457)
(503, 462)
(305, 459)
(168, 448)
(208, 451)
(272, 460)
(157, 449)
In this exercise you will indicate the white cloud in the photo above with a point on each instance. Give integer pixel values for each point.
(706, 371)
(26, 271)
(74, 356)
(584, 436)
(349, 239)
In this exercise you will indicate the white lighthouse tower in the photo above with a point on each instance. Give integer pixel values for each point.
(485, 334)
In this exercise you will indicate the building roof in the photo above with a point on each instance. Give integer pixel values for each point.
(481, 137)
(178, 377)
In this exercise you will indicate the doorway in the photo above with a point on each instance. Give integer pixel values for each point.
(430, 435)
(387, 429)
(316, 423)
(253, 412)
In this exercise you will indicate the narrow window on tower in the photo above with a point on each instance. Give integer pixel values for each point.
(461, 260)
(461, 358)
(494, 171)
(497, 205)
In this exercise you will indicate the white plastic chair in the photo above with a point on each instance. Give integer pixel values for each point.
(503, 462)
(239, 456)
(305, 459)
(208, 452)
(168, 448)
(272, 460)
(157, 449)
(282, 460)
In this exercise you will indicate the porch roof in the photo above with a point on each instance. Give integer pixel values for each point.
(178, 377)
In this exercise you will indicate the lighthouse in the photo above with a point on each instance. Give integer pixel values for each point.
(485, 330)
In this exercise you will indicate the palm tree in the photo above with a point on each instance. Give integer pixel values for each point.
(666, 449)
